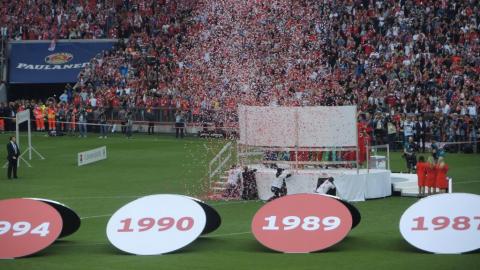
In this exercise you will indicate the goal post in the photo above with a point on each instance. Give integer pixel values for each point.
(21, 117)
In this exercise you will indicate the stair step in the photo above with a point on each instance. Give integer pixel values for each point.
(220, 183)
(410, 192)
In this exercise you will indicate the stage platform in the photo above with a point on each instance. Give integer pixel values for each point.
(405, 183)
(372, 184)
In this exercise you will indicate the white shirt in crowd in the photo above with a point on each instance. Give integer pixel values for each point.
(278, 181)
(325, 187)
(472, 110)
(93, 101)
(408, 127)
(446, 109)
(233, 176)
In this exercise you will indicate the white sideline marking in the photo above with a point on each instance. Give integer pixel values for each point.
(233, 202)
(106, 215)
(226, 234)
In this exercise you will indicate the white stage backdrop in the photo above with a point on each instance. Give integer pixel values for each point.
(298, 126)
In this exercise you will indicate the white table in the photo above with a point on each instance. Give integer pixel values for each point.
(350, 185)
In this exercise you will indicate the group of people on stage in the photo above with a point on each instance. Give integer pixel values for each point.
(432, 175)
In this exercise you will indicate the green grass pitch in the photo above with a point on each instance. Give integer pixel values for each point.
(161, 164)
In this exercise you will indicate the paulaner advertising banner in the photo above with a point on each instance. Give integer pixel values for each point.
(49, 61)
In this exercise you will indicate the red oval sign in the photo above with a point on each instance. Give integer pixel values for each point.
(301, 223)
(26, 227)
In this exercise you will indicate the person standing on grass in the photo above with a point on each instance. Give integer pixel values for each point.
(150, 118)
(129, 130)
(431, 175)
(435, 150)
(82, 122)
(409, 154)
(420, 132)
(408, 129)
(13, 153)
(103, 124)
(179, 124)
(441, 181)
(39, 120)
(421, 175)
(51, 114)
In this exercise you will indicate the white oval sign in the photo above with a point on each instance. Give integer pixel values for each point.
(443, 223)
(156, 224)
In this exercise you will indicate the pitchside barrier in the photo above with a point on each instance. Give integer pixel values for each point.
(90, 156)
(139, 126)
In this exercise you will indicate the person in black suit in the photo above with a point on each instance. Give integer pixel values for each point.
(420, 132)
(13, 154)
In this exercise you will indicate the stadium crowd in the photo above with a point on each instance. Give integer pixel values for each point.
(412, 66)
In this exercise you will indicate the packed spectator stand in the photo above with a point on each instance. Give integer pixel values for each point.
(411, 67)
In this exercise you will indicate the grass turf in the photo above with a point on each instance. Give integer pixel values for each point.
(161, 164)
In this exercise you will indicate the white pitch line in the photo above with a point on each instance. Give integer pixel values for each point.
(99, 216)
(227, 234)
(232, 202)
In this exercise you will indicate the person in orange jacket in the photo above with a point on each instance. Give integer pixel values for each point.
(39, 121)
(51, 117)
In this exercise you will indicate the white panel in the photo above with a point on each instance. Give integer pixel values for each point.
(137, 238)
(443, 223)
(302, 126)
(91, 156)
(268, 126)
(327, 126)
(23, 116)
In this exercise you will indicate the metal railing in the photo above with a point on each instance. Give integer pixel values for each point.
(218, 163)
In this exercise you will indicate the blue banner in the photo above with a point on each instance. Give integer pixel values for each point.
(51, 61)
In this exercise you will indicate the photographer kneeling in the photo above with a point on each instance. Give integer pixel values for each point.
(279, 187)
